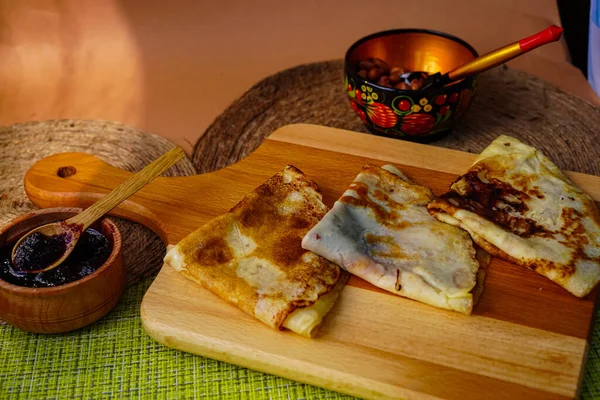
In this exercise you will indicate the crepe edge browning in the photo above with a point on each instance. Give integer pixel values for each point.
(302, 316)
(412, 288)
(580, 282)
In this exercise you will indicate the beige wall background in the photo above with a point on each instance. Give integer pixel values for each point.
(170, 67)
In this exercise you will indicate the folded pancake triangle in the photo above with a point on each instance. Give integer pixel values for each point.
(519, 206)
(252, 257)
(380, 230)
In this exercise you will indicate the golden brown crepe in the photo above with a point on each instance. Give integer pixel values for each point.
(519, 206)
(252, 255)
(380, 230)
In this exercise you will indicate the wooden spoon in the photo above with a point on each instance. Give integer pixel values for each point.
(47, 246)
(487, 61)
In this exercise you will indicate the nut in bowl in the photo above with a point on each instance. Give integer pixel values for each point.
(62, 299)
(383, 77)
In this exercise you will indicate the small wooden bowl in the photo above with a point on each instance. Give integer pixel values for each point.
(66, 307)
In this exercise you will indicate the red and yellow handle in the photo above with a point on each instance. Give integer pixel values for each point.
(506, 53)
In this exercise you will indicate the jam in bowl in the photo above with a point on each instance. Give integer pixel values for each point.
(79, 291)
(91, 251)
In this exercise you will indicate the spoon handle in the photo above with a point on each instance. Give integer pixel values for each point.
(506, 53)
(127, 188)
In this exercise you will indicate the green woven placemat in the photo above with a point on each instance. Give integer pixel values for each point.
(591, 381)
(115, 358)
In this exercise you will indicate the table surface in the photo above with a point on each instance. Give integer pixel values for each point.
(171, 67)
(115, 357)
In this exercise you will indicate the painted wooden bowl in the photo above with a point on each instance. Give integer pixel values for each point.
(69, 306)
(417, 115)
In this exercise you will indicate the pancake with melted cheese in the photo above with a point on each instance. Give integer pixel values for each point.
(519, 206)
(252, 255)
(380, 230)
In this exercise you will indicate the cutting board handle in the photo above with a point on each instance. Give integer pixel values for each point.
(80, 179)
(172, 207)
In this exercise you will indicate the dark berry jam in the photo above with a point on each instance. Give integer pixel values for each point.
(38, 251)
(90, 252)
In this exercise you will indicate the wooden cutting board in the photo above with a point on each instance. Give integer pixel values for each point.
(526, 339)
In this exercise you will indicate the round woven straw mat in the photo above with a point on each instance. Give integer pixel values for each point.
(563, 126)
(124, 147)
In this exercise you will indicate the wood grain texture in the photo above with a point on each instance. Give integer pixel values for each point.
(74, 226)
(406, 153)
(127, 188)
(526, 339)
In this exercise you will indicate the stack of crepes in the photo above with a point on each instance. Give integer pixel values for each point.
(282, 256)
